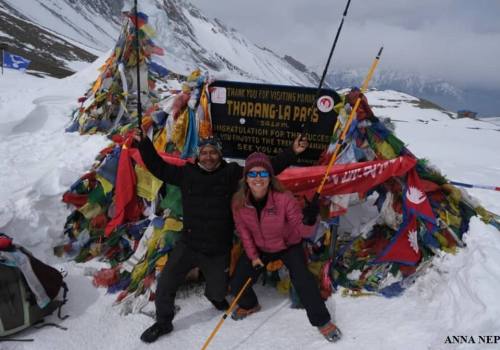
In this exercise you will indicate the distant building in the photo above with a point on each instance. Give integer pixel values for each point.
(464, 113)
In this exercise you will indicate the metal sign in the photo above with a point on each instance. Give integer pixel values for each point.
(251, 117)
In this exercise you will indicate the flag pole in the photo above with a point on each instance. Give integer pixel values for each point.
(139, 105)
(484, 187)
(325, 70)
(3, 47)
(341, 140)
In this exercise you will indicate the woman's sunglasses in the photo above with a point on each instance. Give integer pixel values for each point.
(254, 174)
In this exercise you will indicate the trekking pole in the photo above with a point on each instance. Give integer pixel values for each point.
(340, 141)
(139, 105)
(325, 70)
(227, 313)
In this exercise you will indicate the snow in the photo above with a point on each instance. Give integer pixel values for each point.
(61, 17)
(187, 39)
(493, 120)
(39, 160)
(457, 295)
(190, 41)
(6, 36)
(465, 150)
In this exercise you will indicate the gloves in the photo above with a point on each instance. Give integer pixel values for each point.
(311, 211)
(256, 271)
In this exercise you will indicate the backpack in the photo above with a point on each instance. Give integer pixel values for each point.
(18, 305)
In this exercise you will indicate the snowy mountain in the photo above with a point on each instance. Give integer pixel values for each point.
(61, 36)
(448, 95)
(399, 80)
(189, 39)
(48, 51)
(91, 24)
(457, 296)
(192, 40)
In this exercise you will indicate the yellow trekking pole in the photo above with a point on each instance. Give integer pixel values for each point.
(340, 141)
(227, 313)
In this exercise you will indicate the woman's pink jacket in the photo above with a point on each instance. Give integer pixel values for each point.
(280, 225)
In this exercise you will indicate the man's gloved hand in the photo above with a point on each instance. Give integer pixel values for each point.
(311, 211)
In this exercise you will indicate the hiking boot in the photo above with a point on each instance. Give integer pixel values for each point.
(330, 332)
(222, 305)
(240, 313)
(155, 331)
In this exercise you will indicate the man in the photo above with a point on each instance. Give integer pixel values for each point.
(207, 188)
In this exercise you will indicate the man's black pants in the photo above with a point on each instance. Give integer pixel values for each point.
(180, 261)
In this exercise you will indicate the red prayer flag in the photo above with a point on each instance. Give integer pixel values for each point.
(404, 247)
(142, 18)
(416, 200)
(124, 191)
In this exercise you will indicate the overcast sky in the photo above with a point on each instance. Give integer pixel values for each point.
(458, 40)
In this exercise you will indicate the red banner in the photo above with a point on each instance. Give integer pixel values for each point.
(345, 178)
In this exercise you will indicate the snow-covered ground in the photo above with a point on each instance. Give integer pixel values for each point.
(457, 297)
(493, 120)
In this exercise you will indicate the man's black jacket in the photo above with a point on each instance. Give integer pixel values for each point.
(206, 196)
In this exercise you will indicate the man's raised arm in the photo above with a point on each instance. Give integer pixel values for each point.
(289, 155)
(169, 173)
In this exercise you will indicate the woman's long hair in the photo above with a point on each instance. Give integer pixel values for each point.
(240, 197)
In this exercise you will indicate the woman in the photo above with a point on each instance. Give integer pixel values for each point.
(270, 224)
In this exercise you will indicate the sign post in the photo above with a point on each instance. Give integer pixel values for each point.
(251, 117)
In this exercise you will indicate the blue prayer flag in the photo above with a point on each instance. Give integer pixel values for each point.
(157, 69)
(14, 61)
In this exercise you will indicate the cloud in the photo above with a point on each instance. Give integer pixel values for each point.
(456, 40)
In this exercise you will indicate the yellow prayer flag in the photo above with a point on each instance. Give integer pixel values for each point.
(161, 140)
(147, 185)
(386, 150)
(106, 185)
(155, 241)
(180, 130)
(160, 263)
(97, 84)
(194, 75)
(139, 271)
(146, 28)
(90, 210)
(172, 224)
(283, 286)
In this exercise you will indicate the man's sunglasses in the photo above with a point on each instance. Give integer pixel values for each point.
(262, 173)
